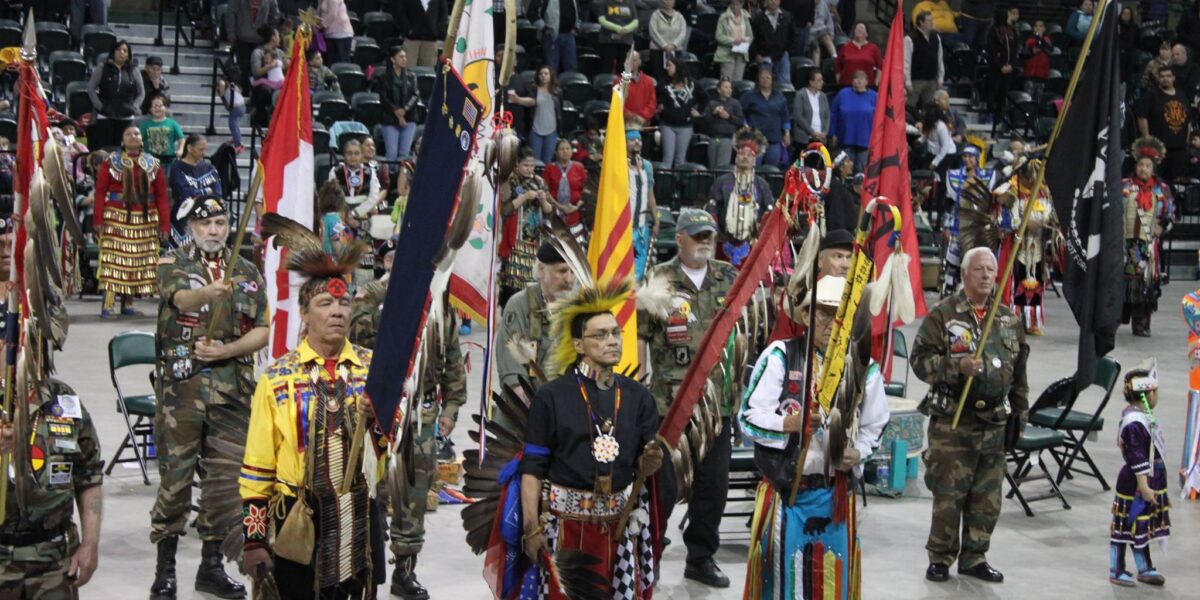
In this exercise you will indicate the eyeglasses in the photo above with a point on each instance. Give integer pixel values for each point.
(601, 336)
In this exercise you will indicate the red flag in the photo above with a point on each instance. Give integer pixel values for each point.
(287, 189)
(887, 175)
(32, 124)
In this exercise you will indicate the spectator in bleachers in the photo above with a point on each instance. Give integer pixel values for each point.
(320, 77)
(423, 24)
(398, 93)
(1188, 29)
(243, 22)
(589, 145)
(774, 36)
(565, 179)
(1038, 47)
(858, 54)
(1080, 21)
(943, 17)
(189, 177)
(618, 24)
(954, 120)
(116, 92)
(1160, 61)
(851, 118)
(524, 200)
(558, 20)
(543, 98)
(738, 199)
(722, 118)
(65, 131)
(339, 33)
(935, 135)
(766, 110)
(976, 20)
(841, 205)
(1187, 73)
(642, 203)
(1003, 53)
(1129, 32)
(1165, 113)
(803, 12)
(734, 38)
(679, 104)
(153, 83)
(924, 67)
(641, 98)
(371, 159)
(231, 96)
(337, 226)
(810, 111)
(267, 65)
(161, 135)
(668, 36)
(822, 31)
(97, 10)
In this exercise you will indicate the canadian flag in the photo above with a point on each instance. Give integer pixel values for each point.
(287, 189)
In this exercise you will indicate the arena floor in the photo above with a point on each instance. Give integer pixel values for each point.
(1056, 554)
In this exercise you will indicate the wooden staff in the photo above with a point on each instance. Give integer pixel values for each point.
(1037, 186)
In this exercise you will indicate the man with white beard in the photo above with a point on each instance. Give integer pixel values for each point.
(209, 329)
(696, 284)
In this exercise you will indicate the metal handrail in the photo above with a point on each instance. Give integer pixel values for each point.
(181, 9)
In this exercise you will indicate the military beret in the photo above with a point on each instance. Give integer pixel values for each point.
(200, 207)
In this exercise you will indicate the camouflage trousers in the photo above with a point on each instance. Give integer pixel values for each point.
(38, 571)
(964, 469)
(407, 531)
(209, 439)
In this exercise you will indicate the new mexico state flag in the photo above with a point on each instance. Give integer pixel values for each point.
(611, 251)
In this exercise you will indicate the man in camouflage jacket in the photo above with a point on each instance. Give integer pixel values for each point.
(208, 333)
(964, 467)
(42, 554)
(668, 337)
(525, 337)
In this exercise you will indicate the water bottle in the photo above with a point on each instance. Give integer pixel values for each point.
(883, 472)
(151, 452)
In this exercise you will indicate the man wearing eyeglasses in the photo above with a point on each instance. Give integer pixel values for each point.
(669, 337)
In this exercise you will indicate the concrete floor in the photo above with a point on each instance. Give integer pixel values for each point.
(1056, 554)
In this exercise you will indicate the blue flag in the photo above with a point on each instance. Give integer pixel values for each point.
(449, 136)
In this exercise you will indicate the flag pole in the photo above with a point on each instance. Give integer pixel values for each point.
(1037, 187)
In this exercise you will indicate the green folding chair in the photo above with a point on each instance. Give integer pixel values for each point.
(127, 349)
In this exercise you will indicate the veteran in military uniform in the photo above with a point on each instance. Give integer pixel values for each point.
(525, 340)
(698, 285)
(368, 300)
(964, 467)
(42, 552)
(208, 333)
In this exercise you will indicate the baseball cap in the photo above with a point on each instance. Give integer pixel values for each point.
(694, 221)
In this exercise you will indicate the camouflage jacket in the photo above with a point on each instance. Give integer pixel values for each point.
(65, 460)
(184, 269)
(950, 333)
(526, 321)
(445, 371)
(673, 342)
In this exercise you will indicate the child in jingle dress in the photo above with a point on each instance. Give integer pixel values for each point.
(1141, 509)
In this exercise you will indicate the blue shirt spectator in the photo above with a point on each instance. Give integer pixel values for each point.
(766, 110)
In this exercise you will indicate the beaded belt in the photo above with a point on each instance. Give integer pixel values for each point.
(585, 505)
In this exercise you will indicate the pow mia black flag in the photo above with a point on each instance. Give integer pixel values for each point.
(1083, 173)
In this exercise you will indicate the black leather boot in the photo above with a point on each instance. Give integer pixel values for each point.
(211, 577)
(164, 586)
(404, 580)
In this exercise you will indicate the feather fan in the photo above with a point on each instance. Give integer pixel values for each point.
(564, 242)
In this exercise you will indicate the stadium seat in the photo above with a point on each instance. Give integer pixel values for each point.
(331, 107)
(66, 66)
(52, 37)
(97, 39)
(603, 84)
(78, 101)
(697, 151)
(379, 25)
(425, 79)
(356, 23)
(570, 118)
(367, 53)
(528, 35)
(351, 78)
(575, 88)
(588, 64)
(321, 166)
(10, 33)
(367, 109)
(320, 139)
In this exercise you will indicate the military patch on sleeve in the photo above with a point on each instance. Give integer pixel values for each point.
(60, 473)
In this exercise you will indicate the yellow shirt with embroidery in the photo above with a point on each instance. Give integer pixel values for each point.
(273, 460)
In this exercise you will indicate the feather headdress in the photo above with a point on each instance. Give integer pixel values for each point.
(597, 299)
(1149, 147)
(307, 256)
(749, 136)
